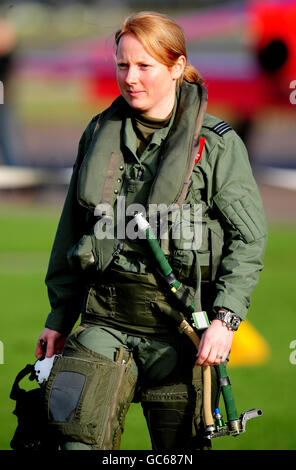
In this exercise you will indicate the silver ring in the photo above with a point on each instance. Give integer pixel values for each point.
(219, 356)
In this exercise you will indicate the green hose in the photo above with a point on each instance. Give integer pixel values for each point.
(158, 253)
(227, 393)
(167, 271)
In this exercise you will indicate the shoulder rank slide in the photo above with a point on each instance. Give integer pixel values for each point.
(221, 128)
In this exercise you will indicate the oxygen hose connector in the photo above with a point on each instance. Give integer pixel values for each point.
(218, 418)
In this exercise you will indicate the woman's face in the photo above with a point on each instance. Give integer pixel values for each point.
(146, 84)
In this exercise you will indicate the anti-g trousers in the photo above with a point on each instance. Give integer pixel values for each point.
(102, 370)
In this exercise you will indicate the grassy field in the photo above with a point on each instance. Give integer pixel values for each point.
(26, 236)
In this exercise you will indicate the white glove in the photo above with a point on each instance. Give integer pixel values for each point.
(43, 368)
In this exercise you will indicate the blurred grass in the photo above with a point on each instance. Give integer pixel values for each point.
(26, 237)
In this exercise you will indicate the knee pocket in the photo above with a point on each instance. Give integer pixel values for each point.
(87, 397)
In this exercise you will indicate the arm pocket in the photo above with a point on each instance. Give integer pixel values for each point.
(243, 215)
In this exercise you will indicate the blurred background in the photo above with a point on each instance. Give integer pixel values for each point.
(57, 71)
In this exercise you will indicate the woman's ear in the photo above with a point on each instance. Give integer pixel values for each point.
(179, 67)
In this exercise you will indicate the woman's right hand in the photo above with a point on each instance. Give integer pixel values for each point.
(54, 343)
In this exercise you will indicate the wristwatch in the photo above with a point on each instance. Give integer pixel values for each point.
(229, 319)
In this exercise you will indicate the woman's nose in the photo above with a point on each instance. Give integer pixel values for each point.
(131, 75)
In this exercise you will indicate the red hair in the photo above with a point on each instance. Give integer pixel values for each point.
(163, 39)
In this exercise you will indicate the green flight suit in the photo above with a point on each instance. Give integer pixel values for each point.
(229, 258)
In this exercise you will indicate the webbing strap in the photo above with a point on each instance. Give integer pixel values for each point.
(195, 145)
(107, 192)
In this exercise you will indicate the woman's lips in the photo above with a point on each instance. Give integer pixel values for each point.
(134, 92)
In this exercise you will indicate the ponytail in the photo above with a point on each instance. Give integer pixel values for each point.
(191, 74)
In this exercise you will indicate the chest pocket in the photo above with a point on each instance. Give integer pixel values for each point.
(209, 233)
(202, 253)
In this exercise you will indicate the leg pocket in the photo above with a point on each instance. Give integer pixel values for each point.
(84, 399)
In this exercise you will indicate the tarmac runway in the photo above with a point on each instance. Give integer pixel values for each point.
(279, 203)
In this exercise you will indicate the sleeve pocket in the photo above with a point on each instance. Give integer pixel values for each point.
(244, 216)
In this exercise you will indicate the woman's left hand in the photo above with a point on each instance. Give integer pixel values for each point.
(215, 344)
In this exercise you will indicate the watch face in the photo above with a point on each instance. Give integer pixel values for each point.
(230, 319)
(235, 322)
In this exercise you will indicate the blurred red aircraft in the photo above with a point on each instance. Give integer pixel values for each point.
(257, 76)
